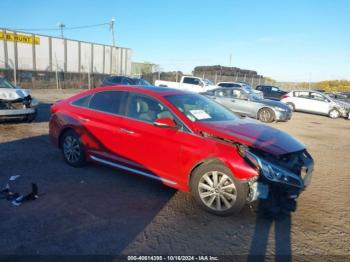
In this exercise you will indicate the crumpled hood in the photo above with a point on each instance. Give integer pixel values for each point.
(253, 134)
(11, 94)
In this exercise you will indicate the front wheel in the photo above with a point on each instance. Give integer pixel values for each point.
(73, 150)
(291, 106)
(334, 113)
(217, 191)
(266, 115)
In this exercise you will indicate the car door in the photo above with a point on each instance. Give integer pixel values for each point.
(155, 150)
(100, 120)
(319, 103)
(301, 100)
(275, 93)
(267, 92)
(234, 99)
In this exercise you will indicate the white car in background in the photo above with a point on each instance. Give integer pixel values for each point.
(189, 83)
(315, 102)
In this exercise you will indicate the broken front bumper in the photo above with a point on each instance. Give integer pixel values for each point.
(280, 179)
(18, 109)
(261, 188)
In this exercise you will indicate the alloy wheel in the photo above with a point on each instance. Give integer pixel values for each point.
(217, 191)
(71, 149)
(265, 115)
(334, 114)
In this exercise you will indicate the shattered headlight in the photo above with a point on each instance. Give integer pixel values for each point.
(270, 171)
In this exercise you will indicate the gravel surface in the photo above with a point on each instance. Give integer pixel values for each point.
(99, 210)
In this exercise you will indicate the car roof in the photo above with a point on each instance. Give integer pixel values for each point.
(151, 90)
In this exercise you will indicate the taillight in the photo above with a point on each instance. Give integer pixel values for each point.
(284, 96)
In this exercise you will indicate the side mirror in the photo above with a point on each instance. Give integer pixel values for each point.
(165, 122)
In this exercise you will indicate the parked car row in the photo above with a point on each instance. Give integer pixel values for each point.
(241, 98)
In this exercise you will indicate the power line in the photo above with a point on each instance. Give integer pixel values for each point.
(58, 29)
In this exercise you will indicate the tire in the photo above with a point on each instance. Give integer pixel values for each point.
(227, 197)
(334, 113)
(291, 106)
(266, 115)
(73, 151)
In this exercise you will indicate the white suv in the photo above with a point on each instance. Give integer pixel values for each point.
(315, 102)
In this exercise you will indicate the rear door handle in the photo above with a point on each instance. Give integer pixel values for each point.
(84, 119)
(126, 131)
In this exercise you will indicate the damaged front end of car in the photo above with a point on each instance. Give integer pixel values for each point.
(17, 104)
(343, 108)
(284, 176)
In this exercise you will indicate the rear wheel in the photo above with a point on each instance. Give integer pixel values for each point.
(73, 150)
(291, 106)
(334, 113)
(217, 191)
(266, 115)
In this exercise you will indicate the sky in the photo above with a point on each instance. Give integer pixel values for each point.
(287, 40)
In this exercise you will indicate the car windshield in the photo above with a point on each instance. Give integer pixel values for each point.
(4, 83)
(200, 108)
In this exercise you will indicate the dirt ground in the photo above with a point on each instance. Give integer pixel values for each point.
(99, 210)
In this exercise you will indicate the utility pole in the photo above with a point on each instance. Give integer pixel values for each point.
(111, 28)
(230, 60)
(61, 26)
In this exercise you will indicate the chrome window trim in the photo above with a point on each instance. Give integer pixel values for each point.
(106, 162)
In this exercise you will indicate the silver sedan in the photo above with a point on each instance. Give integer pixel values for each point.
(246, 103)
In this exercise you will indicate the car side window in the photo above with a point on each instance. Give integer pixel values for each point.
(274, 89)
(107, 101)
(301, 94)
(83, 101)
(191, 80)
(147, 109)
(267, 89)
(318, 97)
(239, 94)
(223, 92)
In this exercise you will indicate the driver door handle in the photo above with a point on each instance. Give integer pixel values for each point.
(84, 119)
(126, 131)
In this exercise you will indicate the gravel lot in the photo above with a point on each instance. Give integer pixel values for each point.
(99, 210)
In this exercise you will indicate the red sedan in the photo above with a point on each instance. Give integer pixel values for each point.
(182, 139)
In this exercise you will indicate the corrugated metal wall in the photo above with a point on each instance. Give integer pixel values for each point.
(44, 53)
